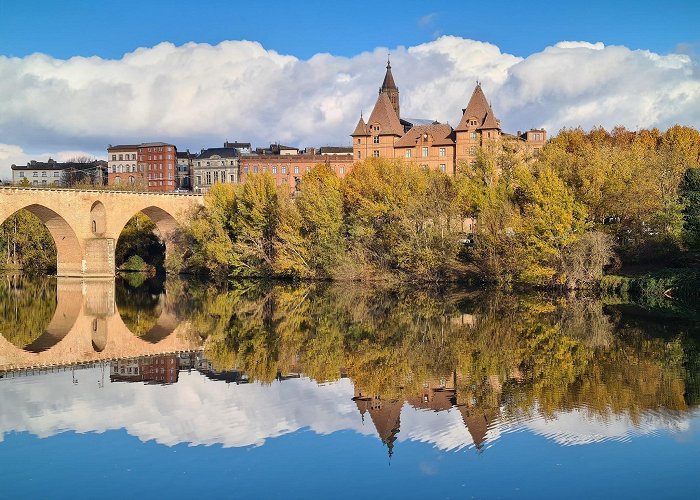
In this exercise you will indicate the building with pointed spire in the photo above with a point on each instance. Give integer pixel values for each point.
(431, 144)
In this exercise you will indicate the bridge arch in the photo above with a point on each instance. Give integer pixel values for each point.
(98, 219)
(69, 251)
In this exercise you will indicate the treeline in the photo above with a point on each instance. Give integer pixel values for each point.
(586, 202)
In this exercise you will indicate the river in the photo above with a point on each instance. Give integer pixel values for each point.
(146, 387)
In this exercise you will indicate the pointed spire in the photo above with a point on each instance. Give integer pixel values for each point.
(361, 128)
(389, 87)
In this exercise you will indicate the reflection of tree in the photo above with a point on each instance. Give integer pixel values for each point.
(26, 307)
(503, 353)
(139, 306)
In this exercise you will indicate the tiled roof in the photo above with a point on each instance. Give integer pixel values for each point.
(361, 128)
(388, 82)
(441, 133)
(384, 114)
(480, 109)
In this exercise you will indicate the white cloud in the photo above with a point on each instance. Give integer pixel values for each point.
(198, 95)
(200, 411)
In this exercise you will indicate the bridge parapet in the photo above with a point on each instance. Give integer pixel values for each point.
(85, 237)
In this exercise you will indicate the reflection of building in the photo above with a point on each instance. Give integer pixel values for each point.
(436, 395)
(433, 145)
(153, 369)
(385, 415)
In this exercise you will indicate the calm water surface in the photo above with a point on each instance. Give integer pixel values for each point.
(145, 388)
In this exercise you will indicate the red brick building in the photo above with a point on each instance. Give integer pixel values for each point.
(157, 161)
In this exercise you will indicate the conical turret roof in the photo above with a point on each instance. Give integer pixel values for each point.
(361, 129)
(480, 109)
(388, 83)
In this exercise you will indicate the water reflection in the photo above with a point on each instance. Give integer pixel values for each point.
(452, 367)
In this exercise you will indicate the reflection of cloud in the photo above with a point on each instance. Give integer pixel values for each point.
(200, 411)
(578, 426)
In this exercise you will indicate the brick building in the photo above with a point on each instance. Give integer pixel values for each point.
(429, 143)
(157, 161)
(122, 166)
(287, 169)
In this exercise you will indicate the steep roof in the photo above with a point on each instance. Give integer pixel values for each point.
(441, 133)
(388, 82)
(479, 108)
(361, 128)
(384, 114)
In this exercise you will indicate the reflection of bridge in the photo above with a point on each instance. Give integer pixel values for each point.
(86, 327)
(85, 224)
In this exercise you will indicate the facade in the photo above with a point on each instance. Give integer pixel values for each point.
(287, 169)
(157, 161)
(122, 166)
(431, 144)
(215, 165)
(153, 369)
(59, 174)
(183, 178)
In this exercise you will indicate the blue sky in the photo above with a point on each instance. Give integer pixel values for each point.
(76, 76)
(111, 28)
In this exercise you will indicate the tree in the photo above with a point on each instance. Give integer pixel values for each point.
(691, 211)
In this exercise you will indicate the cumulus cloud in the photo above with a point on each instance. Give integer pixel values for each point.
(198, 95)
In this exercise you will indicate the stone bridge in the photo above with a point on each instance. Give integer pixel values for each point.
(86, 327)
(86, 224)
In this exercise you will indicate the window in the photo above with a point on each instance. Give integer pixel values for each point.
(114, 157)
(170, 175)
(255, 169)
(199, 180)
(245, 170)
(375, 153)
(408, 153)
(274, 170)
(358, 140)
(375, 139)
(121, 157)
(472, 135)
(443, 168)
(472, 150)
(442, 151)
(55, 174)
(208, 177)
(36, 174)
(342, 170)
(284, 170)
(216, 176)
(43, 181)
(35, 182)
(359, 155)
(21, 174)
(43, 174)
(425, 152)
(264, 169)
(308, 169)
(296, 170)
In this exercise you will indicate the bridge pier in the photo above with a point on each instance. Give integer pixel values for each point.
(85, 224)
